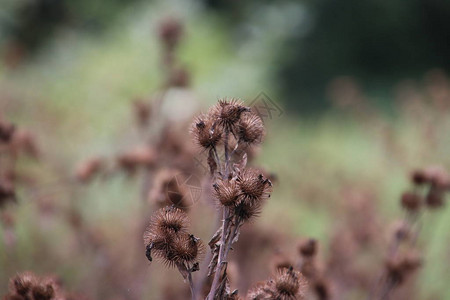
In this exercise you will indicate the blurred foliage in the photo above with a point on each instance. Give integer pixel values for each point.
(31, 24)
(376, 42)
(79, 85)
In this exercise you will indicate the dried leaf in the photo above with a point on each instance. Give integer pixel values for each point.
(223, 289)
(213, 264)
(215, 238)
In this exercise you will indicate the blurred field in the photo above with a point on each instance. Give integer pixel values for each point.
(76, 96)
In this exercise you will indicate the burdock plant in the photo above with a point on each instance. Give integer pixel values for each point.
(238, 191)
(167, 238)
(429, 188)
(225, 132)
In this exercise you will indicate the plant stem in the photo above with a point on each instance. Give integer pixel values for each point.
(186, 272)
(227, 153)
(191, 286)
(232, 237)
(222, 259)
(225, 242)
(201, 278)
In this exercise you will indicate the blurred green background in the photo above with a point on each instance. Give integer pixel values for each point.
(347, 74)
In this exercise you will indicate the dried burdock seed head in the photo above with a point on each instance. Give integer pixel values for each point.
(289, 284)
(308, 247)
(400, 266)
(170, 32)
(27, 286)
(158, 244)
(164, 225)
(419, 177)
(183, 249)
(254, 187)
(228, 113)
(226, 191)
(250, 129)
(22, 283)
(261, 291)
(43, 291)
(205, 133)
(245, 210)
(166, 238)
(168, 220)
(187, 248)
(411, 201)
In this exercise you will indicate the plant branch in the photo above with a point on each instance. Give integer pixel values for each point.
(227, 153)
(191, 286)
(222, 258)
(233, 235)
(187, 275)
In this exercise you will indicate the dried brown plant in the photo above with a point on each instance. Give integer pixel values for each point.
(28, 286)
(429, 187)
(239, 192)
(167, 238)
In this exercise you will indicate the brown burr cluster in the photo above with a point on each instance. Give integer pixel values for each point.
(244, 194)
(227, 132)
(430, 186)
(287, 284)
(167, 238)
(228, 117)
(28, 286)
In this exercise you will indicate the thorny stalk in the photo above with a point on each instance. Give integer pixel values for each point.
(187, 275)
(222, 257)
(232, 237)
(202, 276)
(204, 266)
(238, 191)
(227, 153)
(225, 224)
